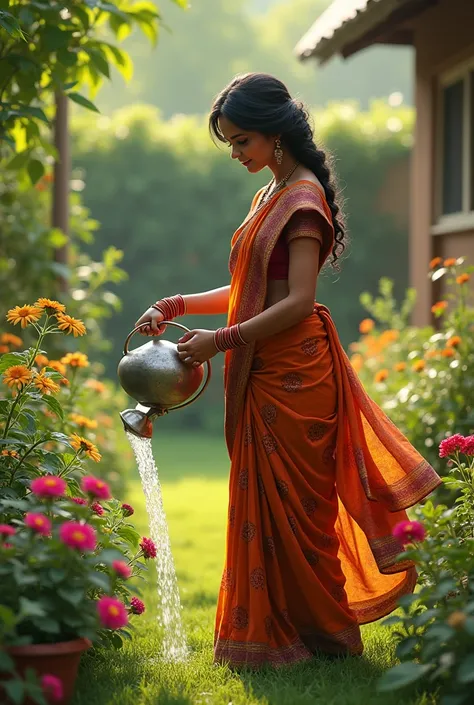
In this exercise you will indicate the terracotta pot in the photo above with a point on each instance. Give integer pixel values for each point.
(60, 660)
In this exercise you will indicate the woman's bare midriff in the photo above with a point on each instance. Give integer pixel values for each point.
(277, 290)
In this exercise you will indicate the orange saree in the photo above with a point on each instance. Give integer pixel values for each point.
(319, 476)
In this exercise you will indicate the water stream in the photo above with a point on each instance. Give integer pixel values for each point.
(169, 605)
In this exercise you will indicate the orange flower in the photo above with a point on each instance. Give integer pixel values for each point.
(96, 385)
(450, 262)
(400, 366)
(10, 339)
(435, 262)
(10, 453)
(41, 360)
(51, 306)
(381, 376)
(105, 421)
(462, 279)
(76, 359)
(57, 366)
(430, 354)
(64, 381)
(82, 444)
(454, 341)
(419, 365)
(448, 352)
(24, 315)
(83, 421)
(4, 349)
(17, 376)
(439, 307)
(45, 384)
(366, 326)
(389, 336)
(68, 324)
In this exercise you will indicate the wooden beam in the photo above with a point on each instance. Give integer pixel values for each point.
(402, 37)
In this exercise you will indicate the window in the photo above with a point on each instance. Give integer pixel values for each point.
(456, 146)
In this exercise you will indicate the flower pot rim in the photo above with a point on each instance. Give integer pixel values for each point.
(59, 647)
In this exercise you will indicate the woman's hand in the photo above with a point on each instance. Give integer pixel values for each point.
(153, 318)
(197, 347)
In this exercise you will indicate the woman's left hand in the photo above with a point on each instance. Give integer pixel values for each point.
(197, 347)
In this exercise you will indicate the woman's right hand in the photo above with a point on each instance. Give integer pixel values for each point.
(153, 318)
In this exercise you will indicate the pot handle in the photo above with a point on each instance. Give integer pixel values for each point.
(208, 362)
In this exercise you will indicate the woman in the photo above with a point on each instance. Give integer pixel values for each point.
(319, 475)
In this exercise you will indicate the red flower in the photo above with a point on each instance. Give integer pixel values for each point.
(136, 606)
(48, 486)
(148, 548)
(52, 688)
(6, 530)
(122, 569)
(95, 487)
(408, 531)
(451, 445)
(79, 500)
(97, 508)
(77, 535)
(112, 613)
(39, 523)
(127, 510)
(468, 445)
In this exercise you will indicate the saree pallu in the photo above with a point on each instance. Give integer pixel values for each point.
(319, 478)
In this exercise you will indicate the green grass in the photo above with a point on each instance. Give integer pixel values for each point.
(194, 474)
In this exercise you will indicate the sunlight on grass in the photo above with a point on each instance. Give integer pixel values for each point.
(194, 473)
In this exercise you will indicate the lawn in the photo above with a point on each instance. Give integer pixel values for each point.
(194, 472)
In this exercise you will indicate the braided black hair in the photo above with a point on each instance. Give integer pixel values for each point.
(261, 103)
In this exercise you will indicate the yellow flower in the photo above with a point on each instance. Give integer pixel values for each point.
(41, 360)
(400, 366)
(10, 339)
(381, 376)
(45, 384)
(450, 262)
(448, 352)
(439, 307)
(51, 307)
(4, 349)
(389, 336)
(10, 453)
(462, 279)
(68, 324)
(357, 362)
(454, 341)
(24, 314)
(57, 366)
(366, 326)
(17, 376)
(457, 620)
(435, 262)
(96, 385)
(80, 443)
(76, 359)
(83, 421)
(419, 365)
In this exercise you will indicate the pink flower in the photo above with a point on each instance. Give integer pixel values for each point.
(408, 531)
(77, 535)
(96, 488)
(112, 613)
(148, 548)
(122, 569)
(39, 523)
(52, 688)
(468, 445)
(97, 508)
(48, 486)
(6, 530)
(451, 445)
(79, 500)
(136, 606)
(127, 510)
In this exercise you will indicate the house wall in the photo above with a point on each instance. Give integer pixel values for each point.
(444, 37)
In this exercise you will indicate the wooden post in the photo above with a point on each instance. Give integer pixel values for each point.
(62, 175)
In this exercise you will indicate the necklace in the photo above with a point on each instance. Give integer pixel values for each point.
(272, 187)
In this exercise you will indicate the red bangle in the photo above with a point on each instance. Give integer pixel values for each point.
(229, 338)
(171, 307)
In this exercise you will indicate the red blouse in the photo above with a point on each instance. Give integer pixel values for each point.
(301, 224)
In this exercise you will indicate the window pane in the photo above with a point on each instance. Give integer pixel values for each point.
(453, 102)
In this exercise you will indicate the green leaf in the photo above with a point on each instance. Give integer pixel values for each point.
(55, 38)
(73, 596)
(35, 170)
(402, 675)
(129, 534)
(6, 663)
(78, 98)
(10, 24)
(19, 160)
(54, 405)
(100, 580)
(15, 690)
(390, 621)
(466, 670)
(405, 647)
(7, 617)
(57, 575)
(99, 61)
(109, 555)
(28, 608)
(51, 626)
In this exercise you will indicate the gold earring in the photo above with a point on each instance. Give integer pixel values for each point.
(278, 152)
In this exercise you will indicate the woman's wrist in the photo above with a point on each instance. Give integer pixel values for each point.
(229, 338)
(171, 307)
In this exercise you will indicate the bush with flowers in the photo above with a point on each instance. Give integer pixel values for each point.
(435, 632)
(423, 378)
(67, 550)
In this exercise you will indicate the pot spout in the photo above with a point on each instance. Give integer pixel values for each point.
(139, 422)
